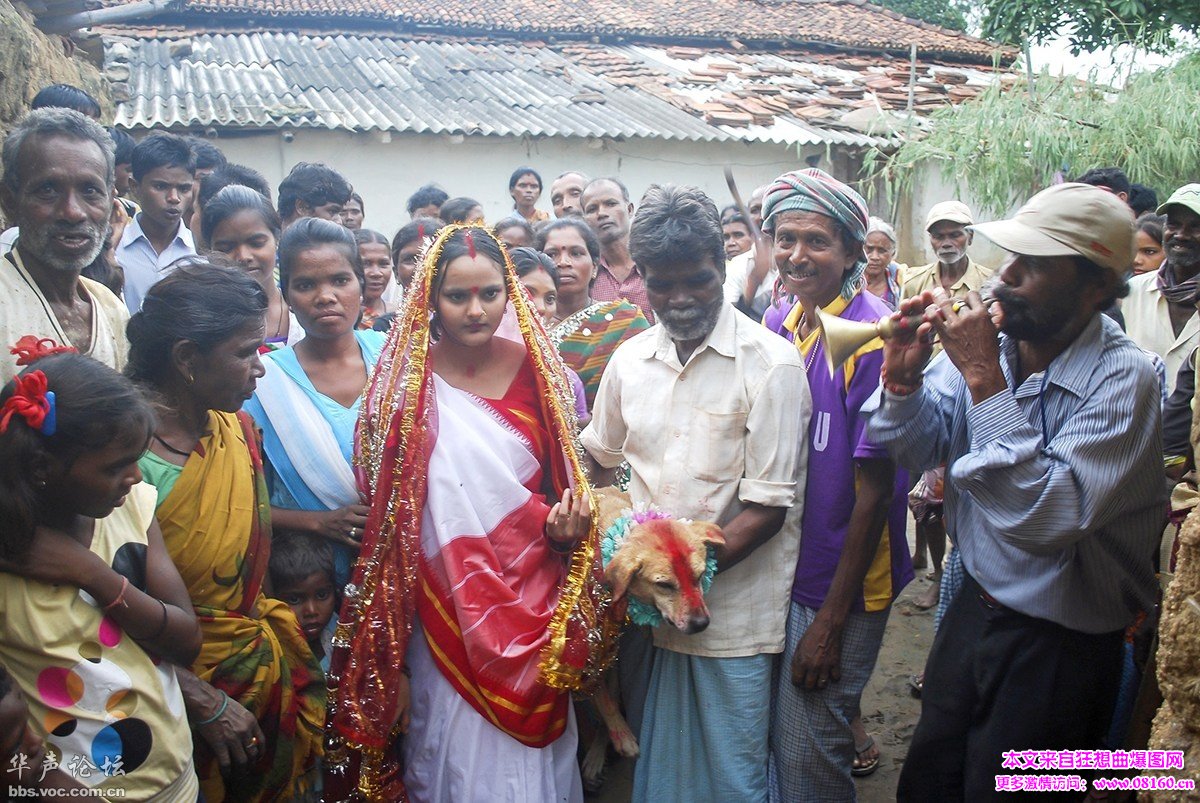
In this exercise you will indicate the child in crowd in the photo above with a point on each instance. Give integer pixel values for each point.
(23, 753)
(301, 570)
(95, 613)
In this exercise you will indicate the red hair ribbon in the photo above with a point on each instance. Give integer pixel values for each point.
(32, 401)
(421, 232)
(31, 348)
(470, 244)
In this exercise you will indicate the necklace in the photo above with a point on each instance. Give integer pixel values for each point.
(171, 448)
(567, 326)
(278, 324)
(812, 352)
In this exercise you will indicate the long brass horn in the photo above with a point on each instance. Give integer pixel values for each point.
(843, 338)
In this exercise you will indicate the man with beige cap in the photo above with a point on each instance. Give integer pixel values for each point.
(1051, 432)
(947, 226)
(1160, 312)
(957, 274)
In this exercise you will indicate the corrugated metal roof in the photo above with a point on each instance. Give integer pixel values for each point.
(364, 84)
(515, 88)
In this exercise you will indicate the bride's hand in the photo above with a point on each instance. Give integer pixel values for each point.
(570, 519)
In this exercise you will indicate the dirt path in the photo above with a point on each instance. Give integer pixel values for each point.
(889, 710)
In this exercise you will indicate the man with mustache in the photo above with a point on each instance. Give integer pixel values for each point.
(1160, 313)
(58, 189)
(957, 274)
(565, 192)
(708, 408)
(1051, 433)
(608, 210)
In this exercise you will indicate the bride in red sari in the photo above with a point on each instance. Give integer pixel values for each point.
(477, 604)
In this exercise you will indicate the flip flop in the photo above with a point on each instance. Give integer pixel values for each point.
(865, 766)
(916, 685)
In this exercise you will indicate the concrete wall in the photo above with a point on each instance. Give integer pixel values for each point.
(386, 173)
(935, 183)
(385, 170)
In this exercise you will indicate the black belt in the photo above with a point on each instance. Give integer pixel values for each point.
(987, 599)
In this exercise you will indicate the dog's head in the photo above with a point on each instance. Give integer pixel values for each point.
(660, 563)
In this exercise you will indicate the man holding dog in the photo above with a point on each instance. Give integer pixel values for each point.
(1052, 437)
(708, 409)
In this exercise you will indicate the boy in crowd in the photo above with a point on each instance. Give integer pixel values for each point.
(313, 190)
(164, 181)
(301, 570)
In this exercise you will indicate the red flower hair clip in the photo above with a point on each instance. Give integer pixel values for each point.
(32, 400)
(31, 348)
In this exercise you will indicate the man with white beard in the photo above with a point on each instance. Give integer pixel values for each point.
(957, 275)
(58, 190)
(708, 408)
(955, 272)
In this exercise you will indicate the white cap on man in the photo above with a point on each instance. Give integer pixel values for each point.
(954, 211)
(1068, 220)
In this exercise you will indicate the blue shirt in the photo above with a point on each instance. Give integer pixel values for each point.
(1054, 487)
(143, 266)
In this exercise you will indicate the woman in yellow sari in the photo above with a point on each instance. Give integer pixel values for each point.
(256, 695)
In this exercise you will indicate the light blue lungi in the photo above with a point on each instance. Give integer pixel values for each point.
(705, 730)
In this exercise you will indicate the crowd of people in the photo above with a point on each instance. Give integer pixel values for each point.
(295, 510)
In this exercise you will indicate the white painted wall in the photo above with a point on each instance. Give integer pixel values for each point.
(385, 174)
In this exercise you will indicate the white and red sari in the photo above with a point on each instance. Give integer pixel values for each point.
(455, 556)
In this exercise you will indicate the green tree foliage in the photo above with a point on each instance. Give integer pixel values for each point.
(947, 13)
(1092, 24)
(1008, 143)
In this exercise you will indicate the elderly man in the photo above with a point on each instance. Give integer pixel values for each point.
(708, 408)
(1052, 437)
(957, 274)
(953, 271)
(58, 188)
(608, 210)
(1160, 313)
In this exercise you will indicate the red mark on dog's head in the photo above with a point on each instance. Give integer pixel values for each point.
(679, 552)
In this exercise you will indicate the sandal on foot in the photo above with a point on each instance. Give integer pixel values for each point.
(863, 767)
(916, 685)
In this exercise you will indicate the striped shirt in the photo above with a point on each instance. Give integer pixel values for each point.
(1054, 487)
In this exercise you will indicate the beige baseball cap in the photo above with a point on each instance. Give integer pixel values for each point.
(1188, 195)
(1066, 220)
(954, 211)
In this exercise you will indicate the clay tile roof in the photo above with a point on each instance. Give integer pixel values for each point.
(839, 23)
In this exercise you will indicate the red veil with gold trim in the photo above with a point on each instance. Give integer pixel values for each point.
(396, 436)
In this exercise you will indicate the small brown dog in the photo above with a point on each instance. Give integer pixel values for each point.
(660, 563)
